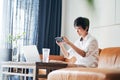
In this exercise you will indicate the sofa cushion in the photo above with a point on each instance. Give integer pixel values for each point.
(109, 58)
(84, 74)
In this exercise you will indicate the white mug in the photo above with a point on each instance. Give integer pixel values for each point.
(45, 52)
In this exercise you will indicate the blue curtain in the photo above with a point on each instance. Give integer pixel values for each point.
(49, 24)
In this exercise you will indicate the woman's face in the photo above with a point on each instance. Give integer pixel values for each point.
(80, 30)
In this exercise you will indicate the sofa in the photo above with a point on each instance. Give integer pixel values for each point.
(108, 68)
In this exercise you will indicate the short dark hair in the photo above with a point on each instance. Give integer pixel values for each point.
(82, 21)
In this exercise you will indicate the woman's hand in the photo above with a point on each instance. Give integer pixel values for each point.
(65, 39)
(59, 43)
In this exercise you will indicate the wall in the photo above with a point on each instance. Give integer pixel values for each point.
(104, 18)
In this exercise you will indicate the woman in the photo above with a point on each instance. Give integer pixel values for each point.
(85, 49)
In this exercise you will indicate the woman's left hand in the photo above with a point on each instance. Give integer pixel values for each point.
(66, 40)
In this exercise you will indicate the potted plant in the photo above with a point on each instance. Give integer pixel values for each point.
(13, 39)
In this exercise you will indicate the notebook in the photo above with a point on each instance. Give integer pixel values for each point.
(31, 53)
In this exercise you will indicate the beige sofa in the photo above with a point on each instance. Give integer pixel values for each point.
(108, 68)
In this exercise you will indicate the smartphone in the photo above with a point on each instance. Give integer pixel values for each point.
(59, 39)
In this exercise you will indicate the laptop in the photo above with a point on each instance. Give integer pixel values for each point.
(31, 53)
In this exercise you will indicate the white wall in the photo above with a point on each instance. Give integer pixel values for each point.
(104, 18)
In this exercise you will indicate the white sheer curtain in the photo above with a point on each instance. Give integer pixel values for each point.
(4, 52)
(1, 9)
(24, 18)
(18, 16)
(3, 32)
(2, 25)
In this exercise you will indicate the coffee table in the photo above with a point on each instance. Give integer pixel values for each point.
(48, 67)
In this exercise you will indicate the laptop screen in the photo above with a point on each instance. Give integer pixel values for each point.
(31, 53)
